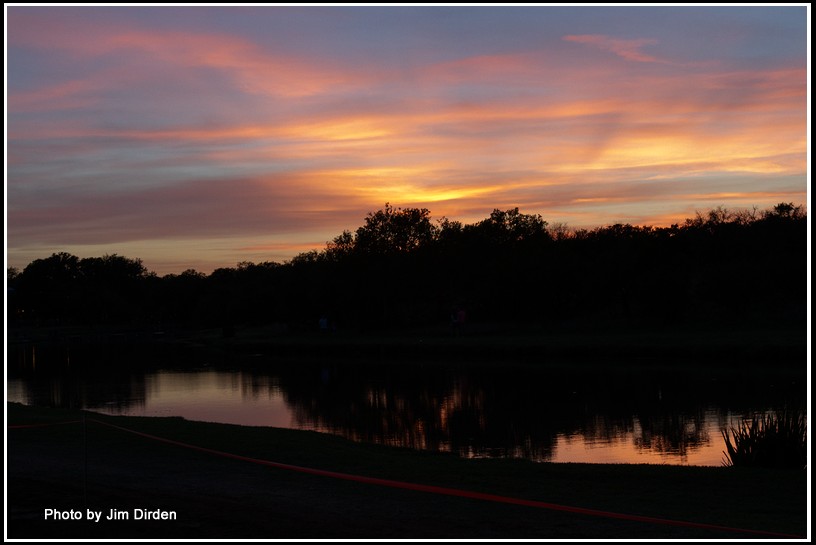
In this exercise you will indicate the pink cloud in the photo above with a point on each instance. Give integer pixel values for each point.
(713, 109)
(66, 95)
(199, 208)
(230, 137)
(253, 69)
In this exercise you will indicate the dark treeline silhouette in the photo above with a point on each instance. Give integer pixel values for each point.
(401, 269)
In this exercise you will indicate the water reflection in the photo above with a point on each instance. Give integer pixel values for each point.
(538, 413)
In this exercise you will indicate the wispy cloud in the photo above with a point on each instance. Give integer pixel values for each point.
(122, 131)
(631, 50)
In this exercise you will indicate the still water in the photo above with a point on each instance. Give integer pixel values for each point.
(556, 413)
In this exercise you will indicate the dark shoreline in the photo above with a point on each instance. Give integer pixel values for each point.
(218, 498)
(478, 343)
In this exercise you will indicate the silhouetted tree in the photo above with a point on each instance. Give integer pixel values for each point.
(511, 226)
(48, 288)
(785, 211)
(399, 269)
(110, 289)
(393, 230)
(341, 246)
(182, 296)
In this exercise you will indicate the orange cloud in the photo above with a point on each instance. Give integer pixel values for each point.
(258, 140)
(255, 71)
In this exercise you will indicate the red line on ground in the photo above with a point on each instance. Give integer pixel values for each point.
(453, 491)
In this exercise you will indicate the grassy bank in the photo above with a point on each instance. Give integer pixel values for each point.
(80, 466)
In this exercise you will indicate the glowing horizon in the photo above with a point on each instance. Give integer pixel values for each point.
(198, 137)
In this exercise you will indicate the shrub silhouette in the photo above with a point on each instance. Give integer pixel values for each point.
(775, 440)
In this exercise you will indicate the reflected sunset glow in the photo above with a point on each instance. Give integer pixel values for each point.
(252, 399)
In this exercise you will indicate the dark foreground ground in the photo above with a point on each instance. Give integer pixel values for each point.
(81, 466)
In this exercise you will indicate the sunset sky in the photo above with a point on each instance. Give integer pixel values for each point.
(198, 137)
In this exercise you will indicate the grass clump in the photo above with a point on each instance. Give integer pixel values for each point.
(775, 440)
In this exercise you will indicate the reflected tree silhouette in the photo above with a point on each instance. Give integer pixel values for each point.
(493, 412)
(470, 410)
(672, 433)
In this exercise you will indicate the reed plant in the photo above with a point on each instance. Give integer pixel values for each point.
(776, 439)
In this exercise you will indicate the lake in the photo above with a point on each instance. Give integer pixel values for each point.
(594, 412)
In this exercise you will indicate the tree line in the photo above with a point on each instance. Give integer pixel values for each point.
(402, 269)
